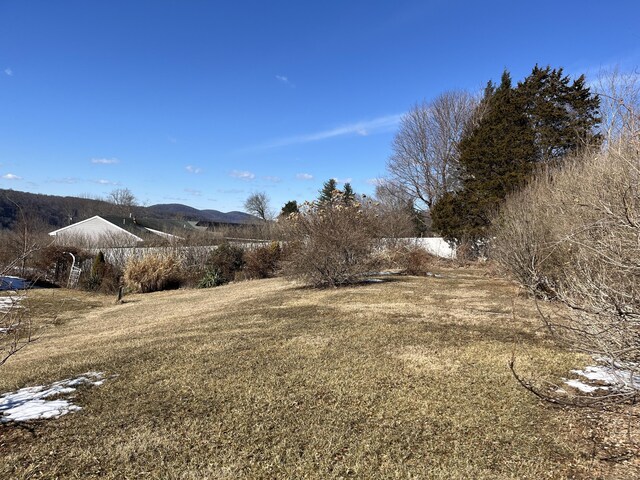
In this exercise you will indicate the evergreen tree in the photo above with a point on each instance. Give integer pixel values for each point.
(495, 158)
(328, 191)
(563, 114)
(541, 121)
(348, 195)
(98, 267)
(289, 208)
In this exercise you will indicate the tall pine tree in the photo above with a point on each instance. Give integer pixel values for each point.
(348, 195)
(563, 114)
(541, 121)
(329, 188)
(495, 158)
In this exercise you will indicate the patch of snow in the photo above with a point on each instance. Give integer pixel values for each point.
(622, 377)
(29, 403)
(613, 375)
(7, 303)
(9, 329)
(37, 410)
(373, 280)
(583, 387)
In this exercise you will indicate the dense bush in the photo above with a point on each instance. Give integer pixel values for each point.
(332, 243)
(263, 261)
(227, 259)
(103, 277)
(573, 235)
(152, 272)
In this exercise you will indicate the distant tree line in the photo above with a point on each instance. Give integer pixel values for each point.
(52, 211)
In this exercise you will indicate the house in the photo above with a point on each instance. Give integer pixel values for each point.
(113, 231)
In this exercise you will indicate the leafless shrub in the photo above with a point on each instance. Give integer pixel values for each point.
(527, 232)
(331, 244)
(152, 272)
(411, 259)
(262, 261)
(16, 329)
(15, 322)
(574, 235)
(53, 263)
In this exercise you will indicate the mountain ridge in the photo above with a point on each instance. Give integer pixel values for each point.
(59, 211)
(209, 215)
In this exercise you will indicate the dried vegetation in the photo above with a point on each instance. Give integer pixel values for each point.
(406, 378)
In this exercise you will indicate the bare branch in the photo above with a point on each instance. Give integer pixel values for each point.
(425, 155)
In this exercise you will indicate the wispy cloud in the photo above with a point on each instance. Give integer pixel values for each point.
(11, 176)
(65, 180)
(104, 161)
(175, 199)
(8, 71)
(272, 179)
(363, 128)
(285, 80)
(242, 175)
(194, 192)
(230, 191)
(172, 139)
(304, 176)
(192, 169)
(102, 181)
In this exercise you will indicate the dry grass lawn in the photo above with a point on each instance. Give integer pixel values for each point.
(262, 379)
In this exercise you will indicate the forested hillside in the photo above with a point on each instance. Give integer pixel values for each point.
(54, 211)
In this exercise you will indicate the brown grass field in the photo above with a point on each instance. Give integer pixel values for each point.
(407, 378)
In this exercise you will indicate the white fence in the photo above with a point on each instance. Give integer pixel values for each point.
(434, 245)
(193, 254)
(199, 254)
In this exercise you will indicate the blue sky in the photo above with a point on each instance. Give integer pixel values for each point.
(203, 102)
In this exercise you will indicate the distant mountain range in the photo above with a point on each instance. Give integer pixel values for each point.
(57, 211)
(178, 210)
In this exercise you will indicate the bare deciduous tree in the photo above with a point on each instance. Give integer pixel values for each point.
(124, 199)
(27, 235)
(395, 209)
(425, 149)
(619, 94)
(258, 204)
